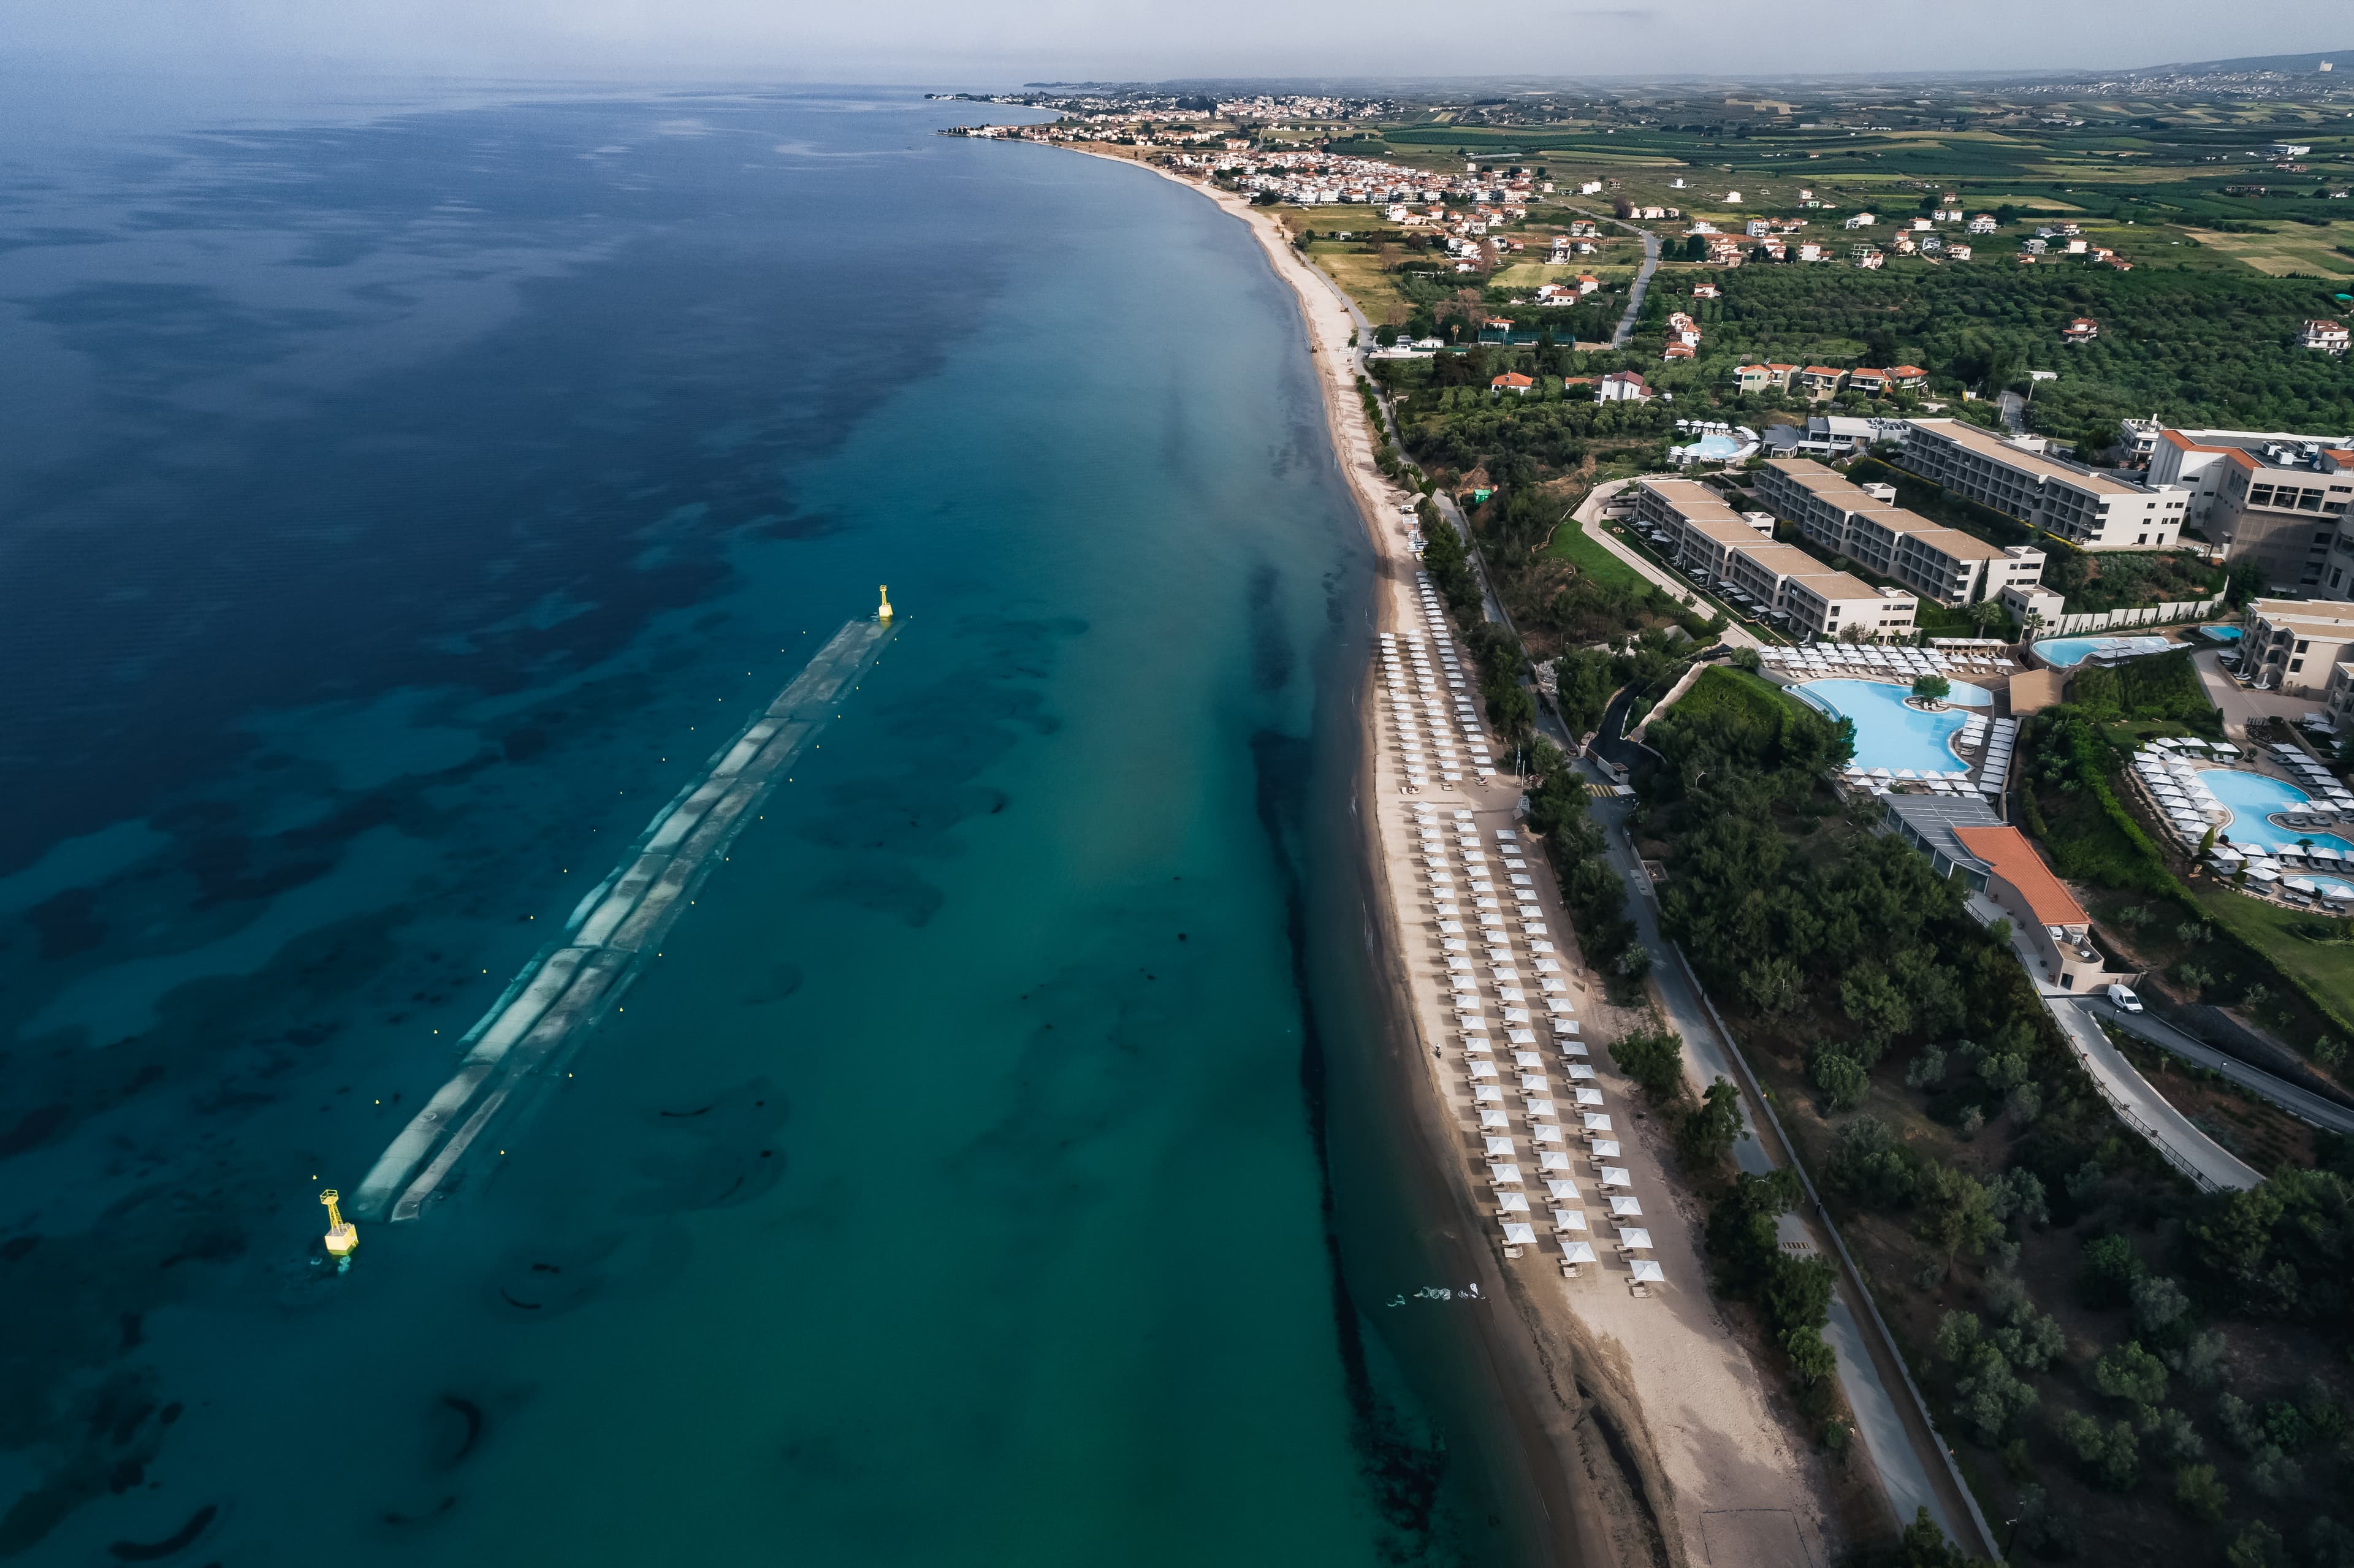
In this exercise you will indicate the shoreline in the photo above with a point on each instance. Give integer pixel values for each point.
(1617, 1478)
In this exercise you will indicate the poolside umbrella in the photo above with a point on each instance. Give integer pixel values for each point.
(1540, 1108)
(2299, 885)
(1617, 1176)
(1504, 1175)
(1625, 1207)
(1498, 1148)
(1646, 1272)
(1519, 1235)
(1634, 1238)
(1595, 1121)
(1604, 1148)
(1488, 1094)
(1907, 773)
(2263, 874)
(1552, 1160)
(1576, 1251)
(1563, 1188)
(1587, 1097)
(1569, 1219)
(1512, 1202)
(1882, 773)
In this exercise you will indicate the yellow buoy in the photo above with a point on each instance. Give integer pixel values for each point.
(884, 613)
(343, 1236)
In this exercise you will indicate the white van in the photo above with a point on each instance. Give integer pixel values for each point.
(2123, 999)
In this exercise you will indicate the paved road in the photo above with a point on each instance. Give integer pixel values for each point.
(2298, 1102)
(2013, 409)
(2239, 705)
(1589, 517)
(2150, 1113)
(1903, 1448)
(1642, 285)
(1642, 274)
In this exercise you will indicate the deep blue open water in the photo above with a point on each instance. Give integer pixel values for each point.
(397, 507)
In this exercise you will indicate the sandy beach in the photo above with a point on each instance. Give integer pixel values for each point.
(1652, 1432)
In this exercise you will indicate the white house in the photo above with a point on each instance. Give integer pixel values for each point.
(2330, 337)
(1622, 386)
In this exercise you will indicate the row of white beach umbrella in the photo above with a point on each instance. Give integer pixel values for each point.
(1468, 897)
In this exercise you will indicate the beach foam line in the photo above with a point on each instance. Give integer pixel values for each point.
(568, 984)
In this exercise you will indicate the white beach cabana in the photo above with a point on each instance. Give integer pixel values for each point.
(1595, 1121)
(1569, 1219)
(1625, 1206)
(1617, 1176)
(1634, 1238)
(1576, 1251)
(1645, 1271)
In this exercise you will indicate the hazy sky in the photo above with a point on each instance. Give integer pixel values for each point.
(965, 43)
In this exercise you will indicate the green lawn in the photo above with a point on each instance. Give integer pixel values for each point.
(1570, 543)
(1723, 687)
(2325, 967)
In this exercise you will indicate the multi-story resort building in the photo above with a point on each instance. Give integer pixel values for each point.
(1837, 514)
(2278, 500)
(1697, 530)
(2092, 510)
(2300, 647)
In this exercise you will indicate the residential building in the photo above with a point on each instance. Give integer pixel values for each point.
(2287, 149)
(1867, 256)
(2328, 337)
(1622, 386)
(2091, 510)
(2295, 646)
(1821, 382)
(1861, 220)
(2280, 500)
(1983, 223)
(1870, 383)
(2039, 906)
(1759, 378)
(1844, 518)
(1514, 382)
(2031, 604)
(1958, 252)
(2084, 329)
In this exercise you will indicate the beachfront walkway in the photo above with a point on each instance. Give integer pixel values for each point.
(1904, 1448)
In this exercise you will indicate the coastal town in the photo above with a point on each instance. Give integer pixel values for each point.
(1953, 598)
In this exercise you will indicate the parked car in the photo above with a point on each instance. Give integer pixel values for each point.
(2123, 999)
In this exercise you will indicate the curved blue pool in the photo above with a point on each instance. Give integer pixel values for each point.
(1890, 735)
(2066, 652)
(2219, 633)
(2250, 797)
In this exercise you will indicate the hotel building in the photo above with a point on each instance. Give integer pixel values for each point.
(2091, 510)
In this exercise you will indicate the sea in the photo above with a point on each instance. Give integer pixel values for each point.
(405, 493)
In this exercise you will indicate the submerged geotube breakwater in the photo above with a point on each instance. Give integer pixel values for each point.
(567, 985)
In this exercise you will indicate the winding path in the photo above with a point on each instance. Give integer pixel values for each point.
(1642, 274)
(2301, 1102)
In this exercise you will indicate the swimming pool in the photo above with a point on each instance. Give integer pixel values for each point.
(2219, 633)
(1888, 734)
(2249, 797)
(2065, 652)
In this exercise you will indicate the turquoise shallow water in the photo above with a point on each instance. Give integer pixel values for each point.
(994, 1168)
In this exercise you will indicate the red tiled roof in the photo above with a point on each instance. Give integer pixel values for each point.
(1512, 378)
(2014, 859)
